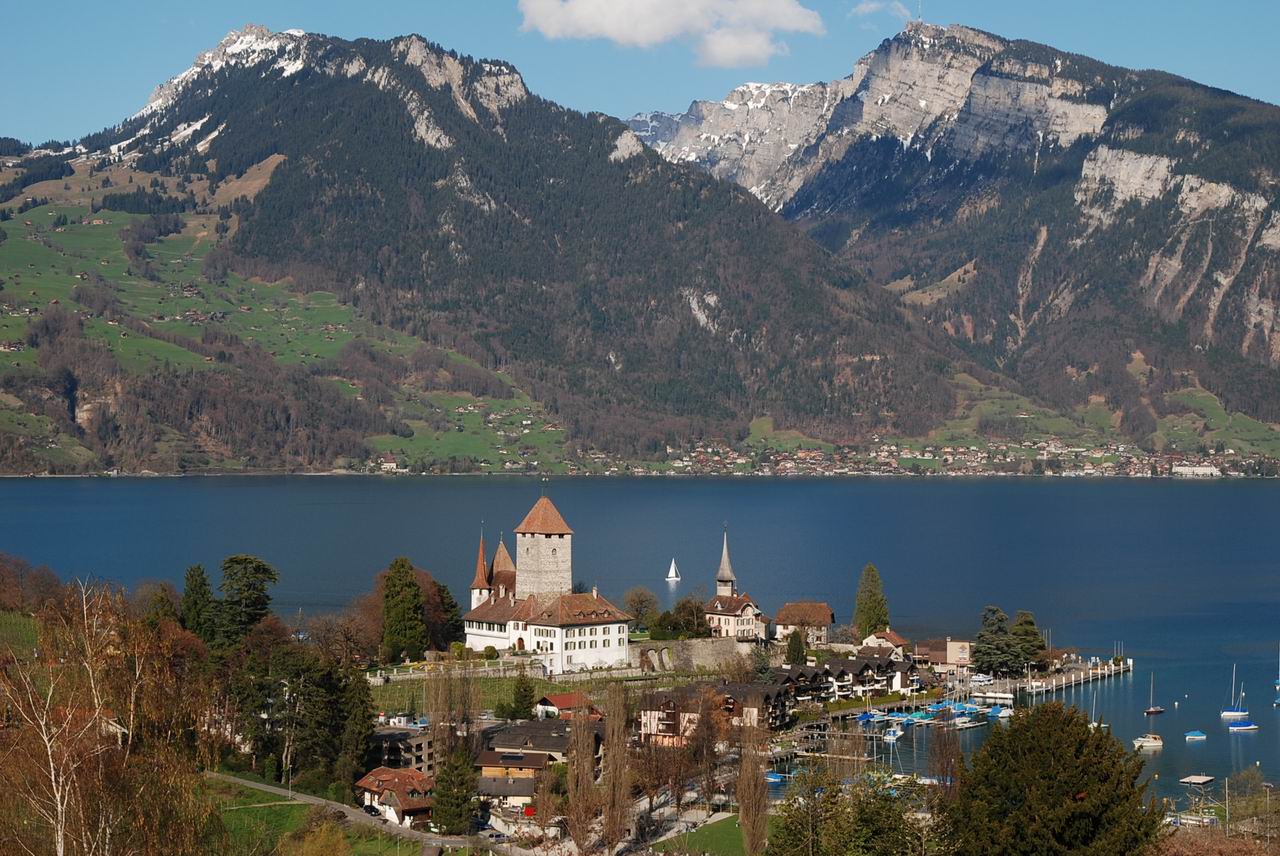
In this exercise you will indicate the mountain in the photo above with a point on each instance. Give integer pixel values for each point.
(1087, 230)
(456, 233)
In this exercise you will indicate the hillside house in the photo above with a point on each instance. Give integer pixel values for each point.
(404, 797)
(812, 618)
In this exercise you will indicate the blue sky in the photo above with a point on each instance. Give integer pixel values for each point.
(78, 66)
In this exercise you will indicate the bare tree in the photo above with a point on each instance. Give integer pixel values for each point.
(945, 758)
(650, 764)
(617, 778)
(94, 734)
(583, 802)
(753, 795)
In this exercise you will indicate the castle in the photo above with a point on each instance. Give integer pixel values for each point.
(528, 604)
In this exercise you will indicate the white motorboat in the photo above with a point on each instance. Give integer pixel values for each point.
(1148, 742)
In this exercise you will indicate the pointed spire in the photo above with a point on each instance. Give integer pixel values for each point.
(481, 580)
(725, 573)
(502, 559)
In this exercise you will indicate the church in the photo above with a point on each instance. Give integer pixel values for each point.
(528, 604)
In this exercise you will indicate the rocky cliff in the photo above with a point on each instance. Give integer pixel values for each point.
(1095, 211)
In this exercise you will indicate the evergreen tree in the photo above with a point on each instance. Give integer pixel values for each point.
(455, 794)
(357, 731)
(994, 648)
(871, 609)
(760, 663)
(453, 630)
(198, 608)
(795, 648)
(1028, 644)
(1092, 802)
(245, 601)
(522, 697)
(404, 630)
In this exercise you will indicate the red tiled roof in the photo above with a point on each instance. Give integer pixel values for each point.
(410, 789)
(806, 613)
(502, 559)
(895, 639)
(481, 580)
(543, 519)
(565, 701)
(567, 610)
(730, 604)
(497, 610)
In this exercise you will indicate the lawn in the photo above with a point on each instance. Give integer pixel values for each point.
(257, 821)
(722, 838)
(17, 631)
(764, 435)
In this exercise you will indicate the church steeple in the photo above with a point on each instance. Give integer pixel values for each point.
(480, 584)
(726, 582)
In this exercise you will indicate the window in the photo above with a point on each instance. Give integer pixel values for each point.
(604, 644)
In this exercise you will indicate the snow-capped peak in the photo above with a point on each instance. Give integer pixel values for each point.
(251, 45)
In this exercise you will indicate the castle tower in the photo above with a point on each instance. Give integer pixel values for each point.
(726, 582)
(544, 552)
(502, 572)
(480, 584)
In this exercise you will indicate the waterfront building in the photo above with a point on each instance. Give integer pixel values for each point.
(528, 605)
(812, 618)
(730, 613)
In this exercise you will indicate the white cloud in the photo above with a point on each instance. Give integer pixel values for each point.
(871, 7)
(725, 33)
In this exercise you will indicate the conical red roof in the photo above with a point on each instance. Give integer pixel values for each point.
(481, 580)
(543, 519)
(502, 559)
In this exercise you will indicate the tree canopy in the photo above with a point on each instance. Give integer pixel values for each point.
(404, 630)
(1050, 783)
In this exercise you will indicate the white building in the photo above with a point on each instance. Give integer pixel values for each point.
(730, 613)
(529, 605)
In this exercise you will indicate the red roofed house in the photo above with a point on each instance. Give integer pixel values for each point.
(809, 616)
(403, 797)
(566, 706)
(529, 604)
(730, 613)
(887, 639)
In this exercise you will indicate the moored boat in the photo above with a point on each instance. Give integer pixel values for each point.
(1235, 708)
(1148, 741)
(1242, 725)
(1194, 736)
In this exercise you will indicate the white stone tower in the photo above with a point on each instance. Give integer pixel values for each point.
(544, 552)
(726, 582)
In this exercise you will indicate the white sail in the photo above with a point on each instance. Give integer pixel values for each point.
(673, 573)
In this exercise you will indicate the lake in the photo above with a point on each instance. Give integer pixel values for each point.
(1186, 575)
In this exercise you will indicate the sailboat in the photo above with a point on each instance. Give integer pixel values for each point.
(1235, 709)
(1152, 707)
(1277, 699)
(673, 573)
(1093, 715)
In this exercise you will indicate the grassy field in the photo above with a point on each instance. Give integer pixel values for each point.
(17, 632)
(257, 822)
(722, 838)
(763, 435)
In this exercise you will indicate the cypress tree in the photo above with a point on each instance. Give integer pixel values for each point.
(795, 648)
(357, 731)
(404, 630)
(522, 697)
(871, 609)
(455, 794)
(198, 607)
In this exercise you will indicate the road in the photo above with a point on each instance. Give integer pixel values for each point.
(355, 815)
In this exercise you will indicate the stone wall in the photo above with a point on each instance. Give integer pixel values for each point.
(687, 654)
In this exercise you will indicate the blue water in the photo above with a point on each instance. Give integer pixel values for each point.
(1185, 575)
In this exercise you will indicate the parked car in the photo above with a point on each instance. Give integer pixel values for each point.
(371, 811)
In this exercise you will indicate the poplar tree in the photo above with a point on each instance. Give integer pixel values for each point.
(404, 630)
(871, 609)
